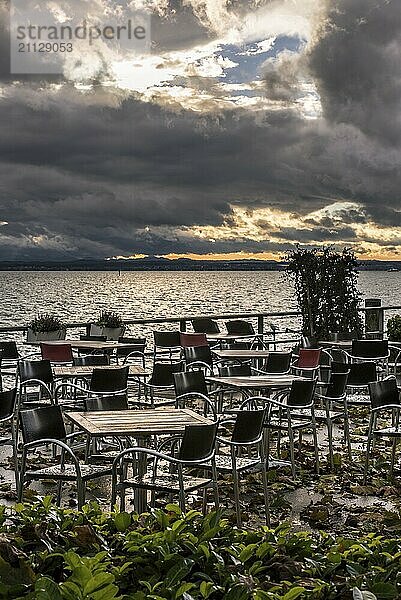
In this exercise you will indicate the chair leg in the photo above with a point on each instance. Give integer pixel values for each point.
(215, 486)
(236, 496)
(368, 444)
(393, 457)
(347, 434)
(329, 424)
(292, 452)
(59, 489)
(266, 494)
(80, 493)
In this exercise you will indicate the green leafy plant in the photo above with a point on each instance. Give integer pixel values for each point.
(394, 328)
(45, 322)
(326, 288)
(48, 553)
(109, 319)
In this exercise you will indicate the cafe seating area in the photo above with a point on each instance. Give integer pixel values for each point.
(168, 417)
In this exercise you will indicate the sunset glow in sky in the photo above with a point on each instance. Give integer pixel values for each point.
(251, 126)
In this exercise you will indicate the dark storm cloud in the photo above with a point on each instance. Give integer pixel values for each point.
(84, 174)
(357, 65)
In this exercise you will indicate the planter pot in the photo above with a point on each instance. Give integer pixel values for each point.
(111, 333)
(44, 336)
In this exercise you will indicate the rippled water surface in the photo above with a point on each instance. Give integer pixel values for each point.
(78, 296)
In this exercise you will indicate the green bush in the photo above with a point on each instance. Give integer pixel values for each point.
(109, 319)
(47, 553)
(45, 322)
(394, 329)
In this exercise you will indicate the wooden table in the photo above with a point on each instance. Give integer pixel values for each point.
(67, 372)
(85, 344)
(231, 337)
(342, 344)
(253, 382)
(241, 354)
(140, 424)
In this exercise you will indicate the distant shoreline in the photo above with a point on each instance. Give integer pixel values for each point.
(162, 264)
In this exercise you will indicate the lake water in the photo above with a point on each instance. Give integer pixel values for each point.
(79, 296)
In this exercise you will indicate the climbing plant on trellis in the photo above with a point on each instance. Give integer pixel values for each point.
(326, 288)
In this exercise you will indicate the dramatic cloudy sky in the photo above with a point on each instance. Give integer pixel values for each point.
(252, 125)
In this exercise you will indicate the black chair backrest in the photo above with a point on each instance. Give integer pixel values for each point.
(198, 354)
(384, 393)
(41, 423)
(190, 382)
(109, 380)
(7, 403)
(93, 338)
(93, 403)
(248, 426)
(167, 339)
(197, 442)
(162, 374)
(239, 327)
(309, 342)
(35, 369)
(234, 371)
(370, 348)
(337, 385)
(9, 350)
(301, 393)
(205, 326)
(278, 362)
(135, 345)
(92, 360)
(236, 345)
(360, 374)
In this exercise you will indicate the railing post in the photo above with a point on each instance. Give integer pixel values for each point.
(374, 318)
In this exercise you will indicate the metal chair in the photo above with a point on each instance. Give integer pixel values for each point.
(278, 363)
(198, 357)
(167, 345)
(36, 383)
(384, 396)
(45, 426)
(205, 325)
(307, 362)
(9, 357)
(8, 404)
(293, 410)
(197, 449)
(193, 340)
(359, 377)
(92, 338)
(239, 327)
(92, 360)
(247, 433)
(60, 354)
(135, 351)
(334, 401)
(161, 382)
(103, 382)
(191, 392)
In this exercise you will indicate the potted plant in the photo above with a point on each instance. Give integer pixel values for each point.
(45, 327)
(394, 329)
(109, 324)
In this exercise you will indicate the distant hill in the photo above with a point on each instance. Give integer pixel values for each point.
(164, 264)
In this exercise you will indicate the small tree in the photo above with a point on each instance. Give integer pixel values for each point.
(326, 288)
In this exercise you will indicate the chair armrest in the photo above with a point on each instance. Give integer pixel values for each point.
(60, 444)
(37, 382)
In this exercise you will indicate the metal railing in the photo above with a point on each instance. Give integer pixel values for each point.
(259, 318)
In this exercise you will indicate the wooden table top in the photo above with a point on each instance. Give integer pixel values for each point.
(231, 336)
(86, 370)
(136, 423)
(257, 381)
(85, 344)
(241, 353)
(338, 344)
